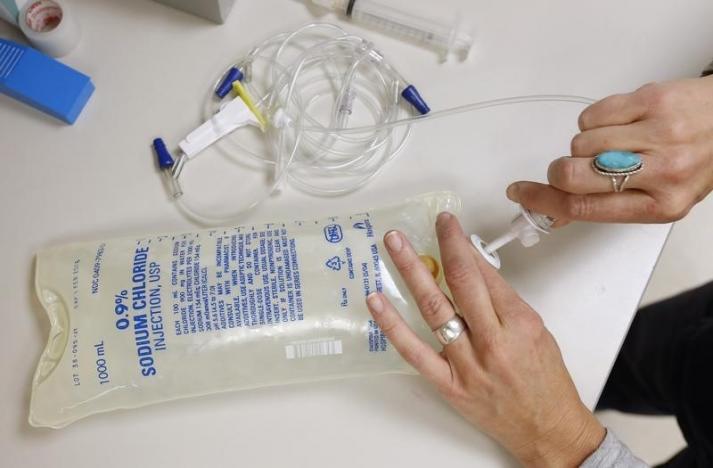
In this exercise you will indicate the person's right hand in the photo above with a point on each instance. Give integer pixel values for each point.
(670, 125)
(505, 372)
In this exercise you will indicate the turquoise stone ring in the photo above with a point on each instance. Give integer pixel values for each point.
(617, 162)
(619, 165)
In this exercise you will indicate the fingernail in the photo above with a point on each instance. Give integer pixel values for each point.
(513, 192)
(375, 303)
(443, 217)
(393, 241)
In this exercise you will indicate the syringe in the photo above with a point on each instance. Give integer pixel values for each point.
(443, 38)
(526, 227)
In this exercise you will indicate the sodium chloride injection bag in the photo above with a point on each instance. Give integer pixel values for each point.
(136, 321)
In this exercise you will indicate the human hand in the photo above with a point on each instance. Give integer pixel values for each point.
(670, 125)
(505, 373)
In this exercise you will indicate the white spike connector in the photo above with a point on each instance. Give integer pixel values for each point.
(526, 227)
(231, 116)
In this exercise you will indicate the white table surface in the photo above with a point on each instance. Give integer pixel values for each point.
(151, 66)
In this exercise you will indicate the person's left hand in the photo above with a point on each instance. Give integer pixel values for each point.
(505, 373)
(670, 127)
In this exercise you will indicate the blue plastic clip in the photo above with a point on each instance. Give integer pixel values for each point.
(165, 161)
(413, 97)
(226, 85)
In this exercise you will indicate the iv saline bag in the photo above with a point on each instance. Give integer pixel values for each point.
(137, 321)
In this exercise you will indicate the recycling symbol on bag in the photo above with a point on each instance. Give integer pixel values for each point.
(335, 263)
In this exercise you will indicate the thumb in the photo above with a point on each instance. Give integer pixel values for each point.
(513, 193)
(537, 197)
(628, 206)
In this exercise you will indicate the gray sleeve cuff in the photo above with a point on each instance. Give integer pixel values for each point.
(612, 453)
(708, 70)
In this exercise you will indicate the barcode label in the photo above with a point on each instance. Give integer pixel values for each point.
(313, 348)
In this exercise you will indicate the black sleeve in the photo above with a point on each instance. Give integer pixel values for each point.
(708, 70)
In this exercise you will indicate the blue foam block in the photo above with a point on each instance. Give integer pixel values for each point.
(42, 82)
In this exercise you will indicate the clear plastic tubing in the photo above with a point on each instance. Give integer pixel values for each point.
(444, 38)
(289, 75)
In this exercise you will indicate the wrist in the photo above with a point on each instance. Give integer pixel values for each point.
(567, 445)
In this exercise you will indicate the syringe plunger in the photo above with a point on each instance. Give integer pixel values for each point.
(526, 227)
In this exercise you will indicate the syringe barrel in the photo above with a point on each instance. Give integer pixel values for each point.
(442, 37)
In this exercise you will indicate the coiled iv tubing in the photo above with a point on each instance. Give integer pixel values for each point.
(314, 83)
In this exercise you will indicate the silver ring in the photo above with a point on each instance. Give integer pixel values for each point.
(450, 331)
(618, 182)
